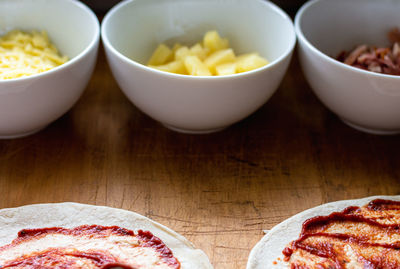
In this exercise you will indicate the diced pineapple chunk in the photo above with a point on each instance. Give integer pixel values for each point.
(225, 69)
(210, 57)
(176, 47)
(251, 61)
(181, 53)
(214, 42)
(196, 67)
(161, 55)
(219, 57)
(199, 51)
(173, 67)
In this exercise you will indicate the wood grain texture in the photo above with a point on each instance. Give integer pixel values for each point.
(219, 190)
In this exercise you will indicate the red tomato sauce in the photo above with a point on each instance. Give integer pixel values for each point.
(98, 258)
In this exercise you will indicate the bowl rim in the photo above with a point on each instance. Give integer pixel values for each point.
(302, 39)
(107, 45)
(92, 44)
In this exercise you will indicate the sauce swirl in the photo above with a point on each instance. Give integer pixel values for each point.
(367, 236)
(98, 255)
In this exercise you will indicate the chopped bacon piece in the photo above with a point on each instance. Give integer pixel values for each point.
(396, 50)
(375, 67)
(379, 60)
(394, 35)
(352, 58)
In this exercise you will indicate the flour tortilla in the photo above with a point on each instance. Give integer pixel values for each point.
(69, 215)
(269, 249)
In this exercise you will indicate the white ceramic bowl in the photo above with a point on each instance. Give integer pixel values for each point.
(364, 100)
(29, 104)
(132, 30)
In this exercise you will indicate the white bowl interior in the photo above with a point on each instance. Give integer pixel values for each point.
(66, 22)
(334, 26)
(135, 28)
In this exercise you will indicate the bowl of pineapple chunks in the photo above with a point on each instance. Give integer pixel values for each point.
(198, 66)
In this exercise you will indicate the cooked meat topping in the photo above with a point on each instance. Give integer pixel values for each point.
(376, 59)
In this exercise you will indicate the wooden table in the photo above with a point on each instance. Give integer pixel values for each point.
(219, 190)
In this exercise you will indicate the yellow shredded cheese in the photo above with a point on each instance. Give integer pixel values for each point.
(23, 54)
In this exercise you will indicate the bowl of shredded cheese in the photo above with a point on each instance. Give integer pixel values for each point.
(24, 54)
(48, 49)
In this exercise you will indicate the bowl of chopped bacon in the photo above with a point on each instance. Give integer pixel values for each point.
(350, 54)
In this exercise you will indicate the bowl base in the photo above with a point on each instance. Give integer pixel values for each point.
(369, 130)
(188, 131)
(20, 135)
